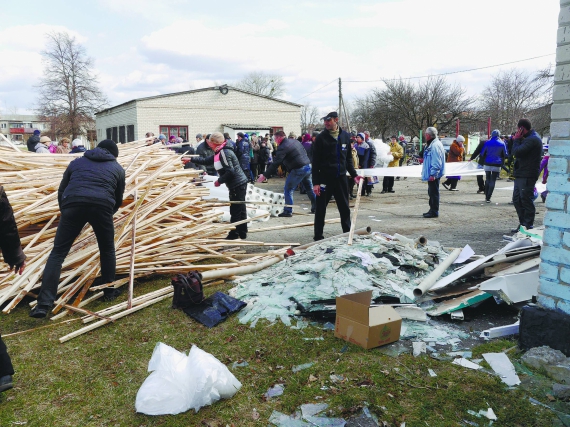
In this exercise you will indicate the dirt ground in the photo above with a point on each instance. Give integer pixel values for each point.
(464, 217)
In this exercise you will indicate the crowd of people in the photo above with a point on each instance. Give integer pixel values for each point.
(322, 164)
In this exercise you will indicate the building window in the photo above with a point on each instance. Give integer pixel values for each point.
(115, 134)
(122, 136)
(169, 130)
(3, 125)
(109, 133)
(130, 133)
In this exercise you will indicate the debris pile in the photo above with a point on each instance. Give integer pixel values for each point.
(393, 268)
(163, 226)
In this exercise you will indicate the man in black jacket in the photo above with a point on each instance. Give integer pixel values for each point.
(33, 141)
(332, 159)
(204, 150)
(91, 191)
(527, 151)
(293, 156)
(15, 258)
(480, 161)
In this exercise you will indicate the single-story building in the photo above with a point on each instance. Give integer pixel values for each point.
(185, 114)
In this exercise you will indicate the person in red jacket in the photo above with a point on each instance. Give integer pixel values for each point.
(15, 258)
(456, 152)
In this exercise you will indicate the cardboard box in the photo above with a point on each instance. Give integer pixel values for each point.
(366, 326)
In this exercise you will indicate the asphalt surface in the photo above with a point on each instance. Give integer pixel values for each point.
(464, 217)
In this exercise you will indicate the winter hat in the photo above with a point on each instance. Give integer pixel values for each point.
(110, 146)
(460, 139)
(240, 134)
(161, 136)
(362, 136)
(496, 133)
(45, 139)
(37, 132)
(199, 136)
(402, 138)
(76, 142)
(306, 137)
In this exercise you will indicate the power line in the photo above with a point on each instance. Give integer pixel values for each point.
(426, 76)
(446, 74)
(322, 87)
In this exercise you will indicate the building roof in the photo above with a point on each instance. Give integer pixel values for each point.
(241, 126)
(195, 91)
(20, 118)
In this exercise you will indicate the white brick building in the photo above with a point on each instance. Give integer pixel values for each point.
(185, 114)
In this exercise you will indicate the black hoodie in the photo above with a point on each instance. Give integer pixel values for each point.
(94, 179)
(32, 142)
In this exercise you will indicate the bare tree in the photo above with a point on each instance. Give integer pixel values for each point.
(514, 94)
(262, 84)
(309, 118)
(403, 106)
(69, 94)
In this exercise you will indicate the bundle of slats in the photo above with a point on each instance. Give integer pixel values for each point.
(173, 227)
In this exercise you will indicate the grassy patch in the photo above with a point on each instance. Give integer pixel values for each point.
(93, 380)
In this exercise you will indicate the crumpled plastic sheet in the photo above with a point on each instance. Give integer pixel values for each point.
(307, 417)
(276, 390)
(179, 382)
(391, 268)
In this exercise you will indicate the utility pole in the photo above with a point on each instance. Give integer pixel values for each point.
(339, 99)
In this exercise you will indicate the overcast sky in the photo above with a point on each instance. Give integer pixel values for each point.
(150, 47)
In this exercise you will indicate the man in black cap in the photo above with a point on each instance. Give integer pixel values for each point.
(331, 160)
(91, 191)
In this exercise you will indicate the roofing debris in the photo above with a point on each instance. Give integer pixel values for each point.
(393, 268)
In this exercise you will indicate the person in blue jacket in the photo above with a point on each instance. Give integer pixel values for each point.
(242, 153)
(494, 153)
(433, 169)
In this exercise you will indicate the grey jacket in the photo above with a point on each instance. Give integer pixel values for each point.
(41, 148)
(228, 168)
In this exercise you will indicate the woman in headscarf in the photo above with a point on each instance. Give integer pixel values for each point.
(230, 173)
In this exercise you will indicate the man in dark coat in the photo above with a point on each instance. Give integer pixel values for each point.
(291, 154)
(242, 153)
(204, 150)
(481, 162)
(33, 141)
(15, 258)
(91, 191)
(527, 151)
(332, 159)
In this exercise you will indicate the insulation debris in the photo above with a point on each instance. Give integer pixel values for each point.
(308, 282)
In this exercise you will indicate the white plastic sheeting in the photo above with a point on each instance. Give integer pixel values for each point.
(179, 382)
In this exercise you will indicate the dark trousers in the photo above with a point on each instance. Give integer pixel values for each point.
(388, 183)
(452, 182)
(254, 168)
(72, 221)
(6, 367)
(339, 189)
(238, 211)
(491, 178)
(481, 182)
(261, 168)
(522, 199)
(433, 193)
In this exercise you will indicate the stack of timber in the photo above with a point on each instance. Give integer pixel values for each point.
(163, 226)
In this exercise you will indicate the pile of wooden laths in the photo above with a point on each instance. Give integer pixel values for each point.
(164, 226)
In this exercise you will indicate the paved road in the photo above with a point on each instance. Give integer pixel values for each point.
(464, 218)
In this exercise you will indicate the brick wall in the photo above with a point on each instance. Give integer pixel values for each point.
(554, 289)
(202, 111)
